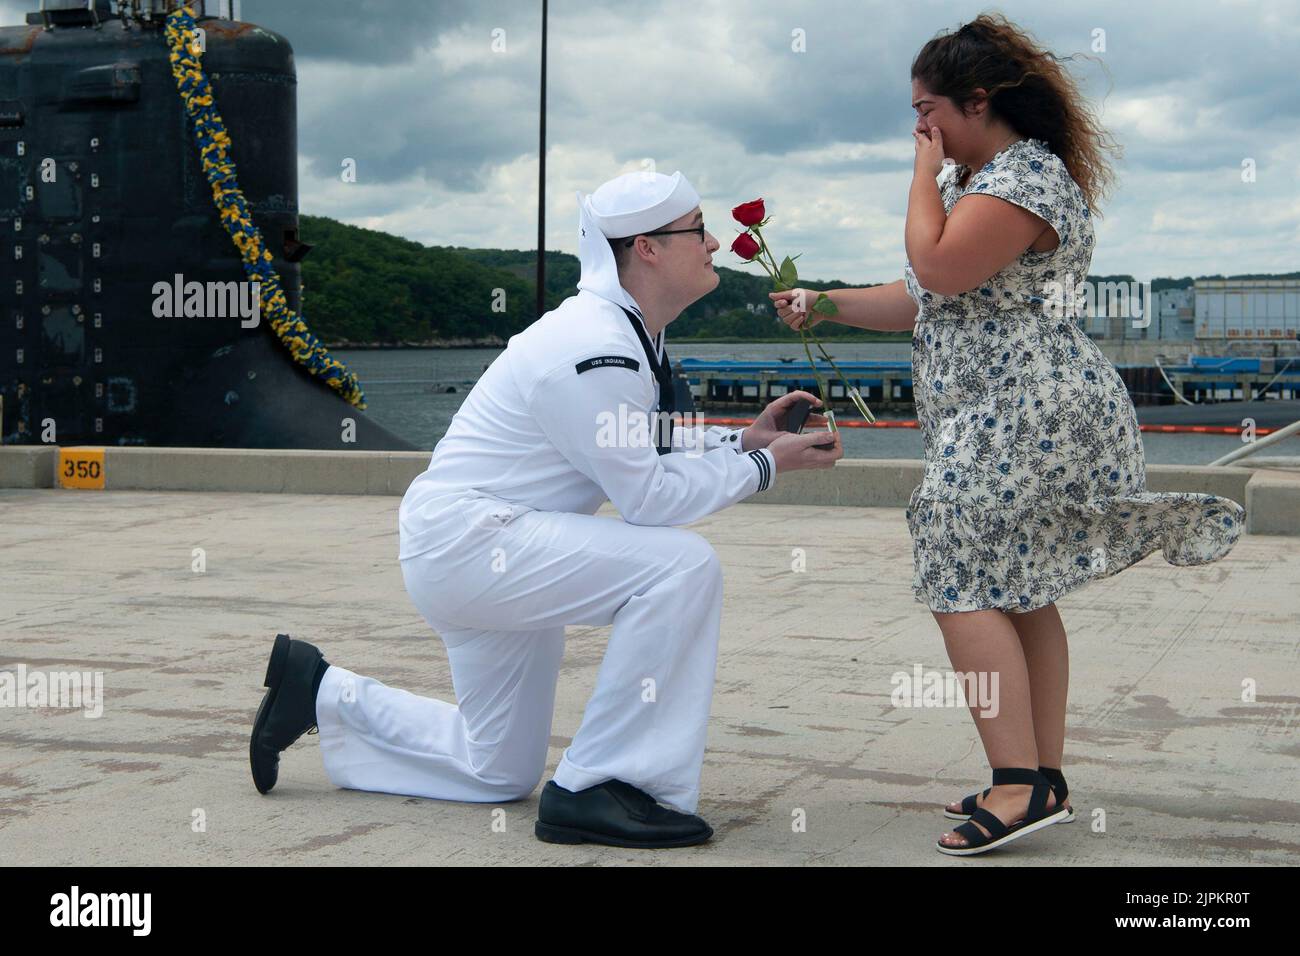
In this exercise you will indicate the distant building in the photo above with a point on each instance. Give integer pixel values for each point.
(1252, 309)
(1174, 314)
(1117, 310)
(1267, 309)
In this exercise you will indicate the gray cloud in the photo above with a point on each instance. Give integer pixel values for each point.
(444, 129)
(387, 32)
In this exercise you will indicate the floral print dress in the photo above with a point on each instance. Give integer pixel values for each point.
(1035, 479)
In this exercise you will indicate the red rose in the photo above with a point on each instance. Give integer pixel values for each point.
(749, 213)
(745, 246)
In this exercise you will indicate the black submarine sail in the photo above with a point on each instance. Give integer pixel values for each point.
(148, 177)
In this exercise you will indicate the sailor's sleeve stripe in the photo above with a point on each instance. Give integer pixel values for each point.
(764, 469)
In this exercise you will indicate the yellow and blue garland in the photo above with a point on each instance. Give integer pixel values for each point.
(214, 152)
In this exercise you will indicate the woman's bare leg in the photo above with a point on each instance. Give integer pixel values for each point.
(1042, 637)
(987, 642)
(1047, 659)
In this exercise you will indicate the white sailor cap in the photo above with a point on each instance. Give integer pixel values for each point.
(627, 205)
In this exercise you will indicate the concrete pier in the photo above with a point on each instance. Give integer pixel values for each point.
(1181, 728)
(1271, 494)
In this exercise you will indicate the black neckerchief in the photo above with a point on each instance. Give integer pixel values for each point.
(664, 375)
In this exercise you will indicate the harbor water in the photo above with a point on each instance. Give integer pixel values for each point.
(407, 392)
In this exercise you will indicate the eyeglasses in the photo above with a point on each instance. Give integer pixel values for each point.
(627, 243)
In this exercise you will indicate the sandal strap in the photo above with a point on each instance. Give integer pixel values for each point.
(1037, 797)
(974, 835)
(1015, 775)
(991, 823)
(1057, 780)
(968, 804)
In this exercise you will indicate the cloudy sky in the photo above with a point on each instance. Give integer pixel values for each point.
(437, 102)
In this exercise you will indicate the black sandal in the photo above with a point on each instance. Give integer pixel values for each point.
(1036, 817)
(1054, 777)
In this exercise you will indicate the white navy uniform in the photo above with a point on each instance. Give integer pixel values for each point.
(500, 549)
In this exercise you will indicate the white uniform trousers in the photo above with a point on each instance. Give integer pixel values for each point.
(499, 590)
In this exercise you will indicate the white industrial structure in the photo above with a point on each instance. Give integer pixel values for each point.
(1256, 309)
(1260, 310)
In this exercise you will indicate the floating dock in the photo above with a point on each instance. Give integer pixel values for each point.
(887, 384)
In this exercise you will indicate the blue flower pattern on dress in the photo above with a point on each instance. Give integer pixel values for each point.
(1023, 501)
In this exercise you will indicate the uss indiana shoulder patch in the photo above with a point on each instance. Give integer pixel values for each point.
(602, 361)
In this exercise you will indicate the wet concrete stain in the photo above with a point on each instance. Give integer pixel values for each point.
(762, 808)
(1247, 844)
(225, 716)
(1152, 707)
(823, 637)
(126, 766)
(1214, 810)
(334, 839)
(70, 663)
(830, 770)
(910, 806)
(748, 730)
(200, 745)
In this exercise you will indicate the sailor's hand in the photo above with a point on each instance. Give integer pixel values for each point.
(770, 423)
(796, 452)
(794, 307)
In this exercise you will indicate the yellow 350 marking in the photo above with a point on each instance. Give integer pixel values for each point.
(81, 467)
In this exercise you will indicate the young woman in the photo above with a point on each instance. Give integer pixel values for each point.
(1034, 477)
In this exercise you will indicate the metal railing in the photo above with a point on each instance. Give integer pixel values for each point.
(1255, 446)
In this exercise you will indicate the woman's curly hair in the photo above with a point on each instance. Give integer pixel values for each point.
(1027, 87)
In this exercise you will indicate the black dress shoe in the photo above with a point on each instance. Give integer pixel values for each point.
(288, 710)
(614, 813)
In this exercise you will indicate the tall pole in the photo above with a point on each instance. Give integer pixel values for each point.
(541, 184)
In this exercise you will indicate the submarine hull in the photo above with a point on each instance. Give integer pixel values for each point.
(103, 201)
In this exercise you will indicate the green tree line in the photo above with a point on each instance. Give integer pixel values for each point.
(362, 286)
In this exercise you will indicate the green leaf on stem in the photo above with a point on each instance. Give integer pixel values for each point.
(789, 274)
(824, 305)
